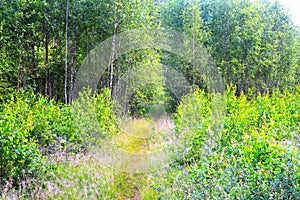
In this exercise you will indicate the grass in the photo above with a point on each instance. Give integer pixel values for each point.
(87, 178)
(84, 176)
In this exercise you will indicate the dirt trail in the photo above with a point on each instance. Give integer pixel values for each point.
(89, 177)
(137, 137)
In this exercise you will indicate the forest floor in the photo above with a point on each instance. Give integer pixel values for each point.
(85, 176)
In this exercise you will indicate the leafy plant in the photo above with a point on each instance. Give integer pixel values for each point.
(31, 128)
(93, 117)
(257, 156)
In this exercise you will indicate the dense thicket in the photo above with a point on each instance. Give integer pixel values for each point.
(254, 45)
(43, 43)
(32, 129)
(256, 153)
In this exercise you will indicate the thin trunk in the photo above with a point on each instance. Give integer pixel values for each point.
(126, 97)
(111, 70)
(112, 58)
(95, 77)
(117, 72)
(87, 46)
(193, 53)
(66, 54)
(35, 68)
(19, 72)
(47, 85)
(72, 68)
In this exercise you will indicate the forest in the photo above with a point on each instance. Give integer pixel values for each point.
(149, 99)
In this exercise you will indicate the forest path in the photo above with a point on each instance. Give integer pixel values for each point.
(85, 176)
(140, 136)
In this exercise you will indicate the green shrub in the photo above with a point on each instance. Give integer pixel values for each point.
(278, 115)
(54, 126)
(257, 155)
(258, 168)
(267, 172)
(104, 112)
(20, 154)
(192, 121)
(31, 127)
(93, 117)
(145, 98)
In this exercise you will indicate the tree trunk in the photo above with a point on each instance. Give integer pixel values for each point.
(66, 54)
(87, 46)
(72, 69)
(112, 58)
(19, 72)
(48, 79)
(35, 68)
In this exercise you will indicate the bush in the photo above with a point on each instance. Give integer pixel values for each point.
(145, 99)
(257, 155)
(192, 120)
(20, 153)
(31, 127)
(54, 126)
(93, 117)
(278, 115)
(234, 174)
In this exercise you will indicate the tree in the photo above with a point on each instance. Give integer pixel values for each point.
(251, 43)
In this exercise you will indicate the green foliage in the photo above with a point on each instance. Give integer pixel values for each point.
(146, 100)
(253, 43)
(104, 111)
(257, 155)
(276, 114)
(93, 117)
(54, 127)
(6, 76)
(171, 12)
(142, 73)
(20, 155)
(192, 120)
(233, 173)
(31, 127)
